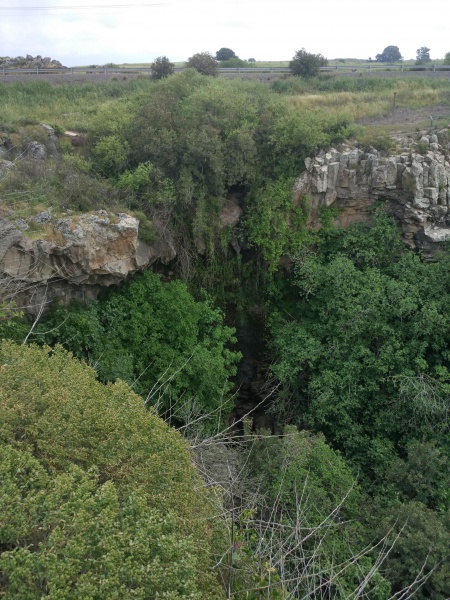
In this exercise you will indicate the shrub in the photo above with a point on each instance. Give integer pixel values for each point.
(146, 229)
(234, 62)
(306, 64)
(422, 147)
(101, 498)
(110, 155)
(162, 67)
(204, 63)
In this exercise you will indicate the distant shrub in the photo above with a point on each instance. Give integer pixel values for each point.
(204, 63)
(306, 64)
(162, 67)
(422, 147)
(374, 138)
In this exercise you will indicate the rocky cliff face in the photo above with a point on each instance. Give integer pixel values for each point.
(43, 259)
(74, 258)
(413, 184)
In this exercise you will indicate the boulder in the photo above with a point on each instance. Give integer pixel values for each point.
(5, 166)
(37, 151)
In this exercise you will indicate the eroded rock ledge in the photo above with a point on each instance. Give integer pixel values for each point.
(76, 258)
(413, 183)
(73, 258)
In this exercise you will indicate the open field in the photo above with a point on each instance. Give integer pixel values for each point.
(76, 99)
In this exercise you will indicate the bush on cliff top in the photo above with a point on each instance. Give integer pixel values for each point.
(100, 496)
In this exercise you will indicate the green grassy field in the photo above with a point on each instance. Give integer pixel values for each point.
(78, 106)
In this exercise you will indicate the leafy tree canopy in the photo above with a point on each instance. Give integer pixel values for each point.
(422, 55)
(172, 349)
(389, 54)
(447, 59)
(225, 54)
(367, 315)
(305, 64)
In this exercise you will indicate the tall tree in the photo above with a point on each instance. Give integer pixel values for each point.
(225, 54)
(422, 55)
(389, 54)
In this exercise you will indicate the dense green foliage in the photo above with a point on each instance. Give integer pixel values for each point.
(98, 496)
(357, 339)
(367, 315)
(306, 64)
(389, 54)
(171, 349)
(361, 343)
(310, 493)
(162, 67)
(201, 137)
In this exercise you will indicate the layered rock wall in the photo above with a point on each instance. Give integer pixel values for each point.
(75, 259)
(413, 184)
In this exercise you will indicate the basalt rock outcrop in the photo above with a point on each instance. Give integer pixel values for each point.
(412, 183)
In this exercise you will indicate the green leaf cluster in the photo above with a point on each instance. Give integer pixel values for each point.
(173, 350)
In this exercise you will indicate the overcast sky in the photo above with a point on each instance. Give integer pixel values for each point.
(115, 31)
